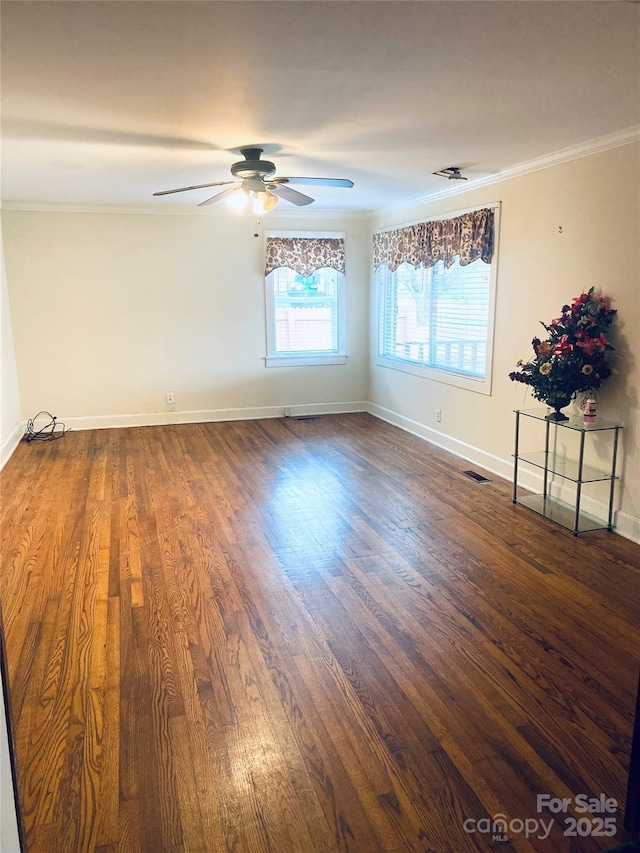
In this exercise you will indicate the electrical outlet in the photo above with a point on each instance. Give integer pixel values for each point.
(171, 397)
(287, 412)
(439, 415)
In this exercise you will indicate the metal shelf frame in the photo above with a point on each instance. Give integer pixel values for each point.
(575, 471)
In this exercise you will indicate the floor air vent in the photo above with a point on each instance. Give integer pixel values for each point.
(473, 475)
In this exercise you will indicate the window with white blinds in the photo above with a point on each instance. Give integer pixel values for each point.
(438, 322)
(305, 299)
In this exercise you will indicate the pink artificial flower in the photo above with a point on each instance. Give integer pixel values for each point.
(605, 301)
(590, 345)
(564, 345)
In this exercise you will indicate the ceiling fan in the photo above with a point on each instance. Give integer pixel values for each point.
(255, 182)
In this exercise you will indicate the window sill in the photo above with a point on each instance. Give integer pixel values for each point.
(303, 360)
(459, 380)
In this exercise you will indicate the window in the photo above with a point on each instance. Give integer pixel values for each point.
(435, 319)
(305, 301)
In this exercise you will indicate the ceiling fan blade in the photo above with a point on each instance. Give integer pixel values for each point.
(316, 182)
(285, 192)
(195, 187)
(219, 196)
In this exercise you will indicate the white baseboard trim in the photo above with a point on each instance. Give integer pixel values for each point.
(502, 467)
(10, 444)
(303, 409)
(209, 415)
(626, 525)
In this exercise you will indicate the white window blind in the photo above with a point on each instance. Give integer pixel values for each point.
(436, 317)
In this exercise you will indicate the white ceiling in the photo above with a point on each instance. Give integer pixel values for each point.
(104, 103)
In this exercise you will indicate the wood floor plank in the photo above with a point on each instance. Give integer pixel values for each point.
(312, 635)
(109, 790)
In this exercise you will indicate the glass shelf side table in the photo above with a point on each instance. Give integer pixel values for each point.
(576, 471)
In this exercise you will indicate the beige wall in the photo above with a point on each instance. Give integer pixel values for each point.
(111, 311)
(596, 201)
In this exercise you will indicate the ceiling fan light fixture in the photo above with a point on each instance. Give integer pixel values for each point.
(238, 201)
(253, 185)
(262, 202)
(269, 201)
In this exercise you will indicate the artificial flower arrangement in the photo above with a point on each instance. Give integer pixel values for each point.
(574, 358)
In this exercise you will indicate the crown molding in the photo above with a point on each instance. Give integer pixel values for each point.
(628, 136)
(306, 213)
(150, 210)
(144, 210)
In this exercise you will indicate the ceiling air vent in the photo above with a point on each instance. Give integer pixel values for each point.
(451, 172)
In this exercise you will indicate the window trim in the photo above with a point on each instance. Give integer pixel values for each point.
(274, 358)
(438, 374)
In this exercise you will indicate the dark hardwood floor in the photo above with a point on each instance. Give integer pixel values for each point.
(306, 635)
